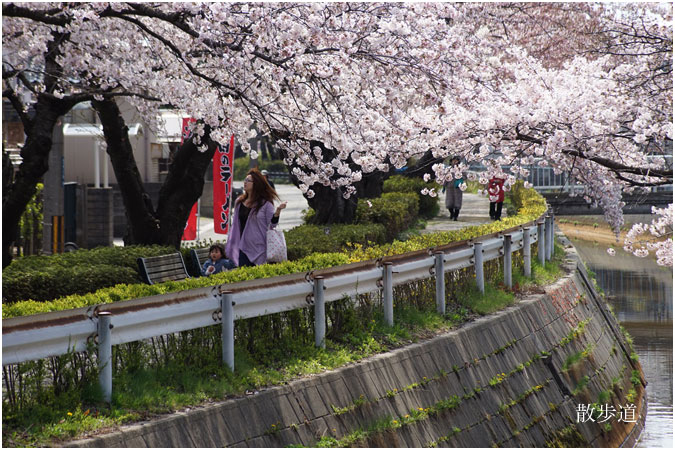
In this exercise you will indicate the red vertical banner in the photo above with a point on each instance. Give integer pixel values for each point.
(190, 230)
(222, 186)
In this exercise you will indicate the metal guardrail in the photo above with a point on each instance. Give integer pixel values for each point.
(52, 334)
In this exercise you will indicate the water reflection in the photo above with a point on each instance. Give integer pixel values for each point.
(641, 294)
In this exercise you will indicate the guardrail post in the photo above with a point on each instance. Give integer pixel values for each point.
(440, 282)
(227, 308)
(388, 294)
(319, 313)
(551, 237)
(105, 355)
(549, 229)
(478, 265)
(527, 252)
(541, 241)
(507, 260)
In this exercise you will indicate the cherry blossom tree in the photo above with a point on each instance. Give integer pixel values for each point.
(566, 86)
(657, 237)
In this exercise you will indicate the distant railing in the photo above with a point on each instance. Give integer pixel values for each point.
(544, 178)
(283, 176)
(52, 334)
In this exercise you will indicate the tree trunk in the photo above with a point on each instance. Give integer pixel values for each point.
(182, 188)
(329, 204)
(35, 154)
(142, 224)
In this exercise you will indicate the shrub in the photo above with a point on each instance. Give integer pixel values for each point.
(307, 239)
(428, 205)
(522, 197)
(396, 211)
(55, 282)
(30, 223)
(122, 292)
(242, 165)
(46, 277)
(533, 207)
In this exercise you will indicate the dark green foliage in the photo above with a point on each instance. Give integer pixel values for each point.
(304, 240)
(56, 282)
(428, 206)
(241, 167)
(378, 220)
(46, 277)
(397, 211)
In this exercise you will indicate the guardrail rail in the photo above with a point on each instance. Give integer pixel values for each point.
(57, 333)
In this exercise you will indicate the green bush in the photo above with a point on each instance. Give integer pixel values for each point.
(46, 277)
(533, 207)
(307, 239)
(428, 205)
(241, 166)
(396, 211)
(30, 223)
(55, 282)
(520, 195)
(122, 292)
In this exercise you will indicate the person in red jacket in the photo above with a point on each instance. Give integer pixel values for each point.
(496, 195)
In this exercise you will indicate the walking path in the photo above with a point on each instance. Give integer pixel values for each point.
(475, 211)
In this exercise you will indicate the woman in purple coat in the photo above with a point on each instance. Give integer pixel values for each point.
(253, 214)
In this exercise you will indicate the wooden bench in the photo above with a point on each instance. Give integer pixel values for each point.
(199, 255)
(157, 269)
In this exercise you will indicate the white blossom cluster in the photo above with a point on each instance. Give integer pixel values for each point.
(643, 239)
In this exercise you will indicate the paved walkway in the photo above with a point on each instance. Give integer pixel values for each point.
(475, 211)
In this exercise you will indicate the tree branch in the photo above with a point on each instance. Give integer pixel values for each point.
(18, 106)
(46, 16)
(622, 168)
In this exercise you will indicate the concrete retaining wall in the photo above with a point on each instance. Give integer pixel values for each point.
(497, 381)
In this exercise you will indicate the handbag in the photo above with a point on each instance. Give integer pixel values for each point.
(276, 246)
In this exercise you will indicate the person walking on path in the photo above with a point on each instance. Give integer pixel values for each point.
(453, 193)
(266, 174)
(496, 195)
(254, 214)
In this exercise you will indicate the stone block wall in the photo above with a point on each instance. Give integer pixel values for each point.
(502, 380)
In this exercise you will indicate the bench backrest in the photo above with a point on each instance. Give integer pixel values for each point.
(199, 255)
(156, 269)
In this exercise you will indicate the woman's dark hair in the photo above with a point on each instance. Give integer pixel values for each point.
(219, 247)
(262, 191)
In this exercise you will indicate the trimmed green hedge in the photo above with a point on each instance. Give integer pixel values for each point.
(241, 166)
(378, 220)
(396, 211)
(122, 292)
(304, 240)
(47, 277)
(533, 207)
(428, 205)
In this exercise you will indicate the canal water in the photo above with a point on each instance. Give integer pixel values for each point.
(641, 294)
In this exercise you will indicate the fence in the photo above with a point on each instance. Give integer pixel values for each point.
(53, 334)
(544, 178)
